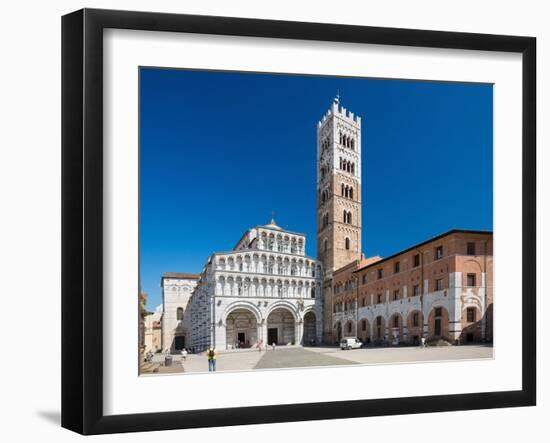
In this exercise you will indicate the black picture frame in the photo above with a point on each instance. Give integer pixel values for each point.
(82, 215)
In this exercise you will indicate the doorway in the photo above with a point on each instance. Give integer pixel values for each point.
(241, 338)
(437, 327)
(179, 342)
(272, 336)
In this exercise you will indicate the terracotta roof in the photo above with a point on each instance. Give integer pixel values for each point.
(181, 275)
(437, 237)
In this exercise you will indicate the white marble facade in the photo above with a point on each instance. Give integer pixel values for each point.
(266, 290)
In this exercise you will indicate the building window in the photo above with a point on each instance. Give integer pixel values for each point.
(396, 267)
(438, 312)
(396, 294)
(415, 319)
(347, 244)
(364, 279)
(438, 252)
(416, 260)
(325, 245)
(439, 284)
(179, 314)
(416, 290)
(471, 280)
(396, 321)
(347, 217)
(380, 273)
(312, 292)
(471, 315)
(471, 248)
(379, 298)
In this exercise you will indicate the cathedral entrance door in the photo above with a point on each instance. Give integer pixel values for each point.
(272, 336)
(179, 342)
(241, 338)
(437, 328)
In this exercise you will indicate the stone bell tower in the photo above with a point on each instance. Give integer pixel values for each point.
(338, 188)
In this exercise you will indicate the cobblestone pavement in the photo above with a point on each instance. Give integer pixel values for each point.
(408, 354)
(299, 358)
(294, 357)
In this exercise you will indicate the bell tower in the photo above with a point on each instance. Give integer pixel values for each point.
(338, 188)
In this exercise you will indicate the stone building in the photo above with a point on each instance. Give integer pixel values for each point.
(265, 289)
(338, 188)
(177, 288)
(153, 332)
(446, 294)
(440, 288)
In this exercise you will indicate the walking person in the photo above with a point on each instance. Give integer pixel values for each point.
(183, 354)
(211, 354)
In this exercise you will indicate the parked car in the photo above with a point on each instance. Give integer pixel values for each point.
(350, 343)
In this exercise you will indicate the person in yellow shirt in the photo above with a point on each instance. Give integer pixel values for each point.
(211, 354)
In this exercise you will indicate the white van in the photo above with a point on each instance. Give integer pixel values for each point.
(350, 343)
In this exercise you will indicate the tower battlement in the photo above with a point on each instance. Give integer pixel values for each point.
(339, 111)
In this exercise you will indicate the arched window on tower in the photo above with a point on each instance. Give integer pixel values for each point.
(352, 168)
(349, 217)
(347, 244)
(345, 216)
(179, 314)
(352, 146)
(351, 192)
(343, 189)
(340, 137)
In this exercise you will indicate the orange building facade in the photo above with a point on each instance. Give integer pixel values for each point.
(440, 289)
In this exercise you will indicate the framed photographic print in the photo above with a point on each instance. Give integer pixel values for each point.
(269, 221)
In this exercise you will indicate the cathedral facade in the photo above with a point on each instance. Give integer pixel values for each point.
(264, 291)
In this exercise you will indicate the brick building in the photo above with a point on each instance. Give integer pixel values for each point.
(438, 289)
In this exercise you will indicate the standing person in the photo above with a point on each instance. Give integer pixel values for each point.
(183, 354)
(211, 354)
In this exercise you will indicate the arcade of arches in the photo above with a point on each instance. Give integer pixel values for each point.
(243, 330)
(408, 330)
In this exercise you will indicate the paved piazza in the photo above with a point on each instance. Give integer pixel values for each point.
(296, 357)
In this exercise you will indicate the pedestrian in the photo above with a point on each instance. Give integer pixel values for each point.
(423, 342)
(260, 345)
(211, 359)
(273, 345)
(183, 354)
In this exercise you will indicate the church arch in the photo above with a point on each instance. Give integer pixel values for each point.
(310, 327)
(241, 328)
(281, 325)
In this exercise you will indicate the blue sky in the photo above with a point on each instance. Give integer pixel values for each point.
(219, 151)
